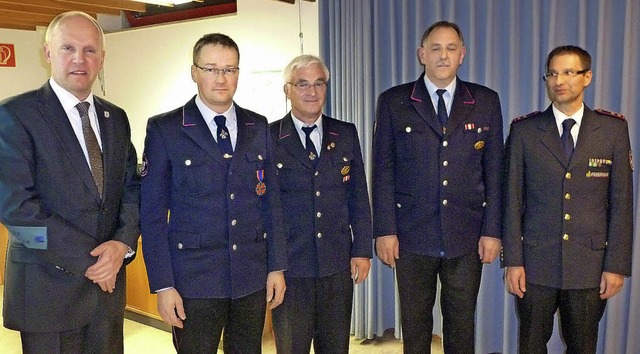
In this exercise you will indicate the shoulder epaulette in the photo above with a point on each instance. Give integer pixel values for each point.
(525, 116)
(609, 113)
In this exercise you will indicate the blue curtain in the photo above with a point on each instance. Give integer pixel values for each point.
(370, 45)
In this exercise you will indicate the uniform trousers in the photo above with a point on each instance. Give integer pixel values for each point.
(580, 314)
(242, 320)
(417, 277)
(315, 309)
(103, 334)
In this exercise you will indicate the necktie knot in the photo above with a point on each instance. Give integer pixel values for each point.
(440, 92)
(568, 123)
(83, 109)
(220, 120)
(308, 130)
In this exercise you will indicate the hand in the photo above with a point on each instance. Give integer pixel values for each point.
(275, 289)
(610, 285)
(516, 281)
(388, 249)
(360, 269)
(488, 248)
(171, 308)
(110, 258)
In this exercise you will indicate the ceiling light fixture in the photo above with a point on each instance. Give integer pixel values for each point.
(169, 3)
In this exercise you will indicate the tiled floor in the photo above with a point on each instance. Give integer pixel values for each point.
(142, 339)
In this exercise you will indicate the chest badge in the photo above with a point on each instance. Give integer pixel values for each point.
(261, 188)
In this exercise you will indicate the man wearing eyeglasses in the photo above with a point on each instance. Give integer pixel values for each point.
(327, 213)
(436, 190)
(211, 216)
(568, 221)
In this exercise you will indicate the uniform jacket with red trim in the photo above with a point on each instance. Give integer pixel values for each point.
(326, 206)
(438, 190)
(207, 229)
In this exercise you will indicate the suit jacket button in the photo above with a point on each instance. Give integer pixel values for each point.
(398, 205)
(445, 163)
(234, 247)
(567, 217)
(319, 234)
(317, 193)
(232, 196)
(445, 202)
(180, 245)
(445, 143)
(568, 175)
(565, 237)
(319, 214)
(187, 162)
(234, 222)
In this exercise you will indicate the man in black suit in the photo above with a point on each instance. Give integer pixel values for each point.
(437, 169)
(209, 167)
(568, 210)
(70, 190)
(327, 213)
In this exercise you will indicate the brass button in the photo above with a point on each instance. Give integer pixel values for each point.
(565, 237)
(568, 175)
(567, 217)
(567, 196)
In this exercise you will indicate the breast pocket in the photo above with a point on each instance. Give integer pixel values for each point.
(342, 164)
(192, 175)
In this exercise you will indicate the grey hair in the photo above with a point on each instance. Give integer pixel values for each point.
(304, 61)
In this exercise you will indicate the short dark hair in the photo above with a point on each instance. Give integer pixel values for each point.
(585, 57)
(215, 39)
(439, 24)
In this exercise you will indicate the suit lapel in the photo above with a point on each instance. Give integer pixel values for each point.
(57, 118)
(588, 126)
(421, 101)
(462, 105)
(550, 137)
(196, 128)
(246, 133)
(330, 140)
(289, 139)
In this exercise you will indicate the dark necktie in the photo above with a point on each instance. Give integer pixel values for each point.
(93, 148)
(442, 107)
(311, 149)
(224, 139)
(567, 138)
